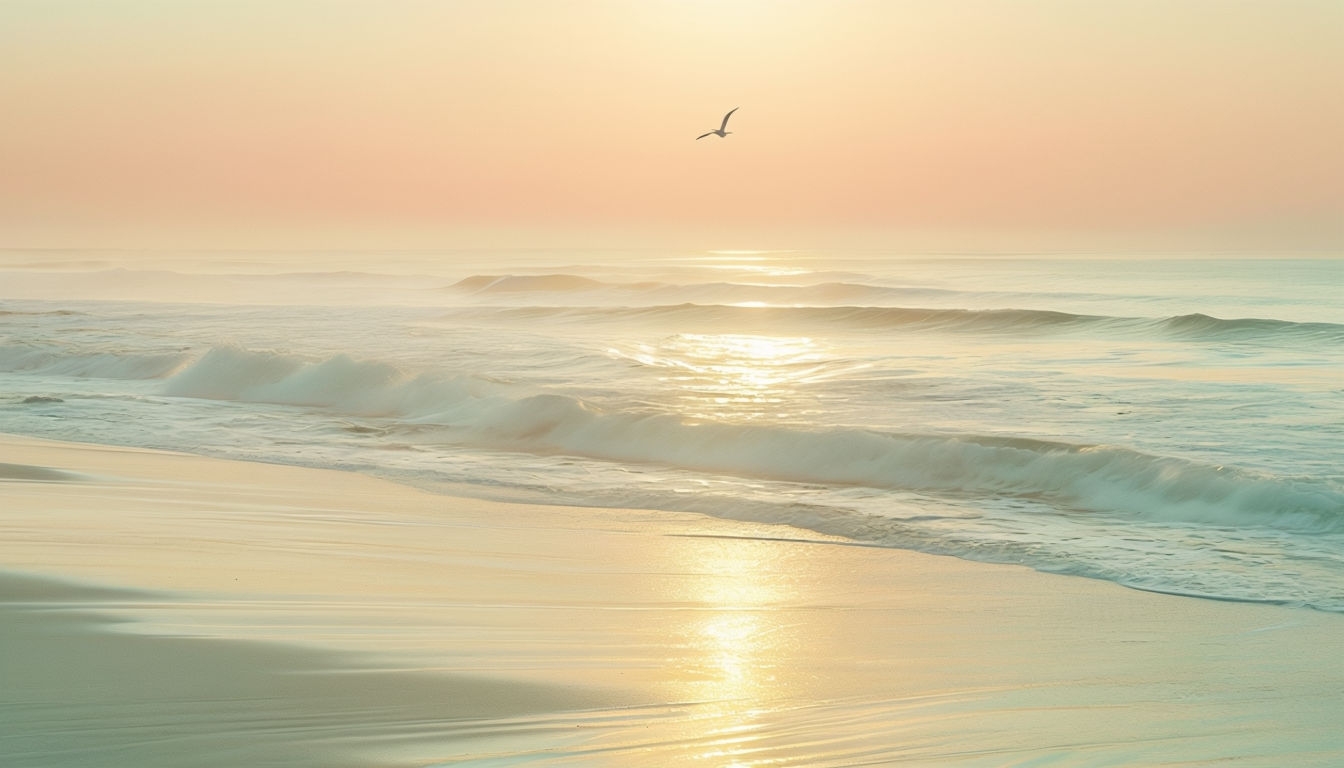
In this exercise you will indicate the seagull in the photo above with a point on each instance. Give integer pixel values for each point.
(722, 129)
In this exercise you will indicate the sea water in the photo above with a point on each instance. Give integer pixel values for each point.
(1168, 423)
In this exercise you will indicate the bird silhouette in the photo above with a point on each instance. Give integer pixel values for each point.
(722, 130)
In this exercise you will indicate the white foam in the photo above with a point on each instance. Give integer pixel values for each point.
(1091, 479)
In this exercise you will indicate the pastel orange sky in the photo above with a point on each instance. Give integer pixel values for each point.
(895, 123)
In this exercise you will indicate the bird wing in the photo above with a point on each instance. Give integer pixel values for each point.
(725, 118)
(703, 135)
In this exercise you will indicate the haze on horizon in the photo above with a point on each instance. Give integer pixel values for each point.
(1185, 124)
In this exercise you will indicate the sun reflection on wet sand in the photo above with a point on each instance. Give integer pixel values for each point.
(735, 646)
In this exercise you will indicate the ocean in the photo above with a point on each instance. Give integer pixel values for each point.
(1171, 424)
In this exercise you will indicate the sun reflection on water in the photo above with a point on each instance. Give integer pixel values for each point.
(755, 263)
(735, 376)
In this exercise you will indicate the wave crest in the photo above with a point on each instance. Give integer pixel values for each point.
(1087, 479)
(1081, 478)
(341, 383)
(1200, 326)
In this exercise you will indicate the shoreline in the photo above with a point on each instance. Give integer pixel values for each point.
(631, 637)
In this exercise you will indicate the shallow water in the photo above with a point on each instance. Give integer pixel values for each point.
(1169, 424)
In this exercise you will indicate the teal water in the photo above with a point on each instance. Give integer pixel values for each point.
(1172, 424)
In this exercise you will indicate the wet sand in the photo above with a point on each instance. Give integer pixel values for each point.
(165, 609)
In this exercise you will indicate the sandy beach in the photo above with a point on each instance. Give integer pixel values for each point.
(164, 609)
(635, 384)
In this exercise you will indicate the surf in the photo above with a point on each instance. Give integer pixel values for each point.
(1078, 478)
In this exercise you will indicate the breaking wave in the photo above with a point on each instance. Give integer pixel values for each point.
(341, 383)
(1075, 478)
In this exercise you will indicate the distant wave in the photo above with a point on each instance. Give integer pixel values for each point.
(59, 266)
(854, 317)
(1083, 478)
(860, 305)
(519, 283)
(1200, 326)
(90, 364)
(161, 274)
(1194, 328)
(39, 313)
(569, 287)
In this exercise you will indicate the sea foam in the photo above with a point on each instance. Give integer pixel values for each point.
(1096, 479)
(1172, 424)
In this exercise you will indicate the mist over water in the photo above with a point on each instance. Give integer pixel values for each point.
(1169, 424)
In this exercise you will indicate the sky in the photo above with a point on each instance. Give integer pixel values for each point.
(902, 124)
